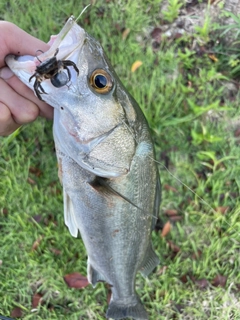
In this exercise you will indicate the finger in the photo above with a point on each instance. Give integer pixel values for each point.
(22, 110)
(7, 124)
(45, 110)
(18, 42)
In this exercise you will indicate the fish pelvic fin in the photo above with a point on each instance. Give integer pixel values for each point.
(149, 263)
(118, 310)
(69, 215)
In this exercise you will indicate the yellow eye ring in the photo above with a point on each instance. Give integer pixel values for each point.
(101, 81)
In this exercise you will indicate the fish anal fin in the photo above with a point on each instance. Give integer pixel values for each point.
(117, 310)
(149, 263)
(94, 276)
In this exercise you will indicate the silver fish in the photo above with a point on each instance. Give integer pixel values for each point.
(106, 164)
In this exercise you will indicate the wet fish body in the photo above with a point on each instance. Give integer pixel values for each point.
(110, 182)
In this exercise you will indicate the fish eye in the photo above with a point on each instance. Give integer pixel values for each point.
(101, 81)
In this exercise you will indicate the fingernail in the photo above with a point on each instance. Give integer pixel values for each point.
(6, 73)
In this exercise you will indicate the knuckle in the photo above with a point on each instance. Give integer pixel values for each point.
(5, 114)
(29, 113)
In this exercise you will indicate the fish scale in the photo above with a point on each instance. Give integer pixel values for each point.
(105, 153)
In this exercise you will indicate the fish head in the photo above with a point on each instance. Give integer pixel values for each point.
(92, 108)
(93, 83)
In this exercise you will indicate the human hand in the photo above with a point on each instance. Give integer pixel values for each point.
(18, 104)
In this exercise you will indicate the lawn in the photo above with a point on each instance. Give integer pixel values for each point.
(187, 87)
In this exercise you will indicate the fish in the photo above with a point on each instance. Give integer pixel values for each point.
(105, 153)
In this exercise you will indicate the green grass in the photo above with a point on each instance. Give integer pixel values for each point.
(175, 87)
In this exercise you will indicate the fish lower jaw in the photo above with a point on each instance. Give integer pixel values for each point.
(21, 63)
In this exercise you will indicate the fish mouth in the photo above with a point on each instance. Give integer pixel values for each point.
(67, 44)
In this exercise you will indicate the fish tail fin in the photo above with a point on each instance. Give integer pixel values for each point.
(118, 310)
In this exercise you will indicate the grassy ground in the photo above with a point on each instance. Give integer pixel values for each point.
(176, 86)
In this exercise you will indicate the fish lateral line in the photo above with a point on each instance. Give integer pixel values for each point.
(102, 182)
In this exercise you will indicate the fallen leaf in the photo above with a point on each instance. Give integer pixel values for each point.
(109, 292)
(219, 281)
(156, 34)
(31, 181)
(162, 270)
(76, 280)
(175, 218)
(169, 188)
(201, 283)
(237, 133)
(136, 65)
(177, 307)
(213, 57)
(118, 27)
(5, 211)
(186, 277)
(36, 171)
(37, 218)
(36, 243)
(177, 35)
(222, 210)
(125, 33)
(56, 251)
(36, 300)
(196, 255)
(173, 246)
(166, 229)
(238, 286)
(16, 312)
(171, 212)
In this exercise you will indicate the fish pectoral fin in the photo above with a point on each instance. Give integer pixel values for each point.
(150, 262)
(135, 310)
(94, 276)
(69, 215)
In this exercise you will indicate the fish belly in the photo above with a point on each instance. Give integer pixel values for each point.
(114, 217)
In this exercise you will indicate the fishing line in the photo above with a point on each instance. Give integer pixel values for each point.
(175, 177)
(205, 202)
(186, 186)
(171, 174)
(82, 12)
